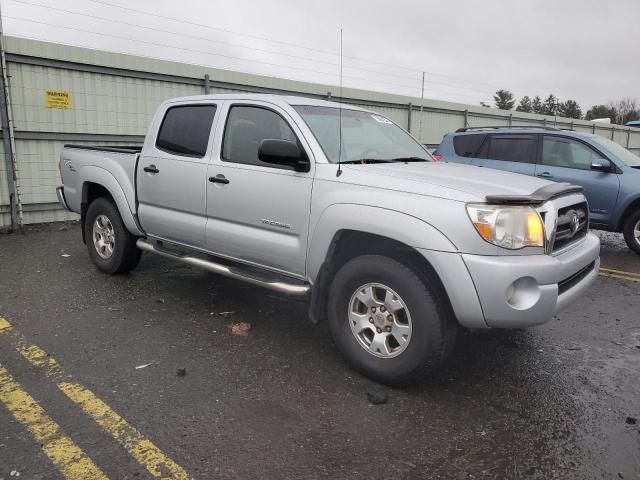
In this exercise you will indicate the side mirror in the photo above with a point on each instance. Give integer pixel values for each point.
(602, 165)
(283, 152)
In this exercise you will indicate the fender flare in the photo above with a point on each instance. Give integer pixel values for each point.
(399, 226)
(100, 176)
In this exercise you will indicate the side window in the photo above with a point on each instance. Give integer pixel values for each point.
(185, 130)
(511, 148)
(246, 128)
(564, 152)
(468, 145)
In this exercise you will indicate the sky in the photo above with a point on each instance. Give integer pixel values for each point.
(584, 50)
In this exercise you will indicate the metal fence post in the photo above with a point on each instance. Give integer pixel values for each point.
(466, 119)
(613, 132)
(409, 117)
(510, 119)
(628, 137)
(329, 96)
(207, 87)
(594, 128)
(8, 140)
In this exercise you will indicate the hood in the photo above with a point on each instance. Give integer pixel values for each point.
(447, 180)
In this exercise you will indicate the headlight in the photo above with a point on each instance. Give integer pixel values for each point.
(511, 227)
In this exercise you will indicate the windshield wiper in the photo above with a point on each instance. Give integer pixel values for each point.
(368, 160)
(387, 160)
(409, 159)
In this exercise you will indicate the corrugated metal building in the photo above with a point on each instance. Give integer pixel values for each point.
(112, 97)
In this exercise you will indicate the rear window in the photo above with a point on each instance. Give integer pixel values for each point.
(185, 130)
(468, 145)
(511, 148)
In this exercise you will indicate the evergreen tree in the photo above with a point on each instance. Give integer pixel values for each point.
(526, 105)
(550, 105)
(601, 111)
(536, 104)
(570, 109)
(504, 100)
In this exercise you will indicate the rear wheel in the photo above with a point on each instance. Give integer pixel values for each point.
(111, 247)
(631, 231)
(389, 323)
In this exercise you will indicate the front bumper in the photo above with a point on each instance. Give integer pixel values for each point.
(521, 291)
(61, 199)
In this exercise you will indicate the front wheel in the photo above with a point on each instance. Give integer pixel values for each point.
(631, 232)
(390, 324)
(111, 247)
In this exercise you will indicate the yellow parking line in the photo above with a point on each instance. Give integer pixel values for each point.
(145, 452)
(4, 325)
(72, 462)
(620, 272)
(138, 446)
(621, 277)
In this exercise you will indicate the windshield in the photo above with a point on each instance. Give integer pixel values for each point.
(365, 136)
(619, 151)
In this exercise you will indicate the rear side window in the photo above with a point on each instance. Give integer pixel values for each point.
(467, 145)
(245, 130)
(511, 148)
(185, 130)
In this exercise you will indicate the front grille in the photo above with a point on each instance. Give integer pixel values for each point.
(574, 279)
(573, 224)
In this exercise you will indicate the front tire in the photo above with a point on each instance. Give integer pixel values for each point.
(631, 232)
(111, 247)
(391, 325)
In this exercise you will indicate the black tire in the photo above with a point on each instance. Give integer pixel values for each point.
(628, 231)
(125, 255)
(433, 327)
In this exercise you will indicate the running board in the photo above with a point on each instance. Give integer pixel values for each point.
(232, 272)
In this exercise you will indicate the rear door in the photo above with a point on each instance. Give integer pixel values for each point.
(172, 174)
(564, 159)
(258, 212)
(512, 152)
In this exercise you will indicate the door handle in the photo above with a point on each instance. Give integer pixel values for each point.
(219, 179)
(545, 175)
(151, 169)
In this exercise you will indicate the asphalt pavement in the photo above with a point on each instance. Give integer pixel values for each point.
(141, 376)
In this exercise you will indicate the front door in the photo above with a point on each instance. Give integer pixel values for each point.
(172, 176)
(258, 212)
(564, 159)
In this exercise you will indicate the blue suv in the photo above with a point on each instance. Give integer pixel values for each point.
(609, 173)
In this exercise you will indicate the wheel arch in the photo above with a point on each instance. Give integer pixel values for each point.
(632, 205)
(97, 182)
(347, 244)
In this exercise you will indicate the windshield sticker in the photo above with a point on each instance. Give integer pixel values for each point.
(381, 119)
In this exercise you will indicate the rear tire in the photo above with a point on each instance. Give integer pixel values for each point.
(631, 232)
(111, 247)
(403, 306)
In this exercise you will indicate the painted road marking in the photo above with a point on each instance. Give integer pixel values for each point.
(145, 452)
(611, 271)
(621, 277)
(72, 462)
(139, 447)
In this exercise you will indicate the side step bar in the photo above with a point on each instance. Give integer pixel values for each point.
(237, 273)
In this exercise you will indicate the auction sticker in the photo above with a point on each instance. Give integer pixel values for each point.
(381, 119)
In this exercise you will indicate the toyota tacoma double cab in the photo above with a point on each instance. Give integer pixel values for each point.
(340, 204)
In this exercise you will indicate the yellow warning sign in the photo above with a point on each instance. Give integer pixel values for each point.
(57, 99)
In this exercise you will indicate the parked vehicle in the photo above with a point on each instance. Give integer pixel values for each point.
(395, 250)
(609, 173)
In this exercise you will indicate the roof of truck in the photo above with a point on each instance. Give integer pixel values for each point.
(278, 99)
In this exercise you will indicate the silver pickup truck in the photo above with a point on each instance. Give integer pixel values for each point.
(336, 202)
